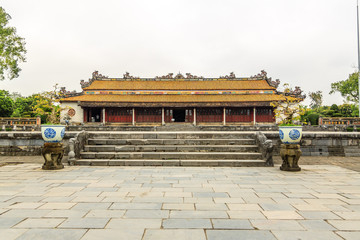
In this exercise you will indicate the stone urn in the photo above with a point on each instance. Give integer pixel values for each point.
(52, 133)
(290, 151)
(290, 134)
(53, 150)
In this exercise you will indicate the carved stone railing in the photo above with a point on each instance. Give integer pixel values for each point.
(266, 148)
(76, 145)
(20, 123)
(338, 121)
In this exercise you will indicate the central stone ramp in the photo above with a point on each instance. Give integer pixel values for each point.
(171, 149)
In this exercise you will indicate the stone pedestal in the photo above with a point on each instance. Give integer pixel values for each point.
(53, 154)
(290, 154)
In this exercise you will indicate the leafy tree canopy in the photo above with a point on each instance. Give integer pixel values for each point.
(348, 88)
(12, 48)
(47, 106)
(23, 106)
(344, 110)
(6, 104)
(316, 99)
(288, 110)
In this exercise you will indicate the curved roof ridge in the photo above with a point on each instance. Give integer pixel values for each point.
(220, 84)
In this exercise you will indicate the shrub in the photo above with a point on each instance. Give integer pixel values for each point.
(334, 107)
(349, 129)
(314, 118)
(337, 115)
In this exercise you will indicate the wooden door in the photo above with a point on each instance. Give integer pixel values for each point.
(209, 115)
(239, 115)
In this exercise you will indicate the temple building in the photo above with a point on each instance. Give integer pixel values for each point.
(169, 99)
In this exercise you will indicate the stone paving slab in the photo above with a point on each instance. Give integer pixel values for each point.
(187, 223)
(296, 235)
(239, 234)
(320, 202)
(112, 234)
(174, 234)
(85, 223)
(53, 234)
(349, 235)
(11, 234)
(231, 224)
(40, 223)
(143, 224)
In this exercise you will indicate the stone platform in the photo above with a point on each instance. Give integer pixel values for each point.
(313, 143)
(145, 203)
(171, 149)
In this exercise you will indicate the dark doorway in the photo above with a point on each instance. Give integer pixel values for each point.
(179, 115)
(95, 115)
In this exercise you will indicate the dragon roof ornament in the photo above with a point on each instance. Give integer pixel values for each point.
(64, 93)
(263, 75)
(297, 92)
(128, 76)
(230, 76)
(95, 76)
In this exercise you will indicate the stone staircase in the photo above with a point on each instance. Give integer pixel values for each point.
(171, 149)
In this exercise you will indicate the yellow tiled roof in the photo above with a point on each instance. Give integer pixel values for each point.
(175, 98)
(180, 85)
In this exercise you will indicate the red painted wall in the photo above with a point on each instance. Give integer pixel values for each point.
(239, 115)
(148, 115)
(209, 115)
(118, 115)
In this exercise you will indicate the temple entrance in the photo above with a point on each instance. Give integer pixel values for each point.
(179, 115)
(92, 115)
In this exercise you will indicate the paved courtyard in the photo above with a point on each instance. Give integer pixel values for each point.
(320, 202)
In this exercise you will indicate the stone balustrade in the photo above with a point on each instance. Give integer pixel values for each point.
(312, 143)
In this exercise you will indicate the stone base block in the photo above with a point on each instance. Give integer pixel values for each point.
(290, 154)
(53, 154)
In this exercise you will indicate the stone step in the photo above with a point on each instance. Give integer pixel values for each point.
(171, 148)
(106, 141)
(172, 135)
(170, 155)
(187, 163)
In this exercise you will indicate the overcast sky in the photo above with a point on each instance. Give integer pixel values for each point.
(306, 43)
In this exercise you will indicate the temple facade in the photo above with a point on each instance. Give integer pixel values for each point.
(169, 99)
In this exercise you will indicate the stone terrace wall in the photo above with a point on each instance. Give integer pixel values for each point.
(312, 144)
(183, 127)
(24, 143)
(324, 143)
(190, 127)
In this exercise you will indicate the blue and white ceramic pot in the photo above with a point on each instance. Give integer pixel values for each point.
(52, 133)
(290, 134)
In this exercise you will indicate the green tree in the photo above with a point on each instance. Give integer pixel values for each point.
(334, 107)
(348, 88)
(345, 110)
(316, 99)
(23, 106)
(47, 105)
(354, 110)
(12, 48)
(6, 104)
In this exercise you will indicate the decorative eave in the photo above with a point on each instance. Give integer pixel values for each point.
(178, 104)
(173, 100)
(96, 76)
(103, 86)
